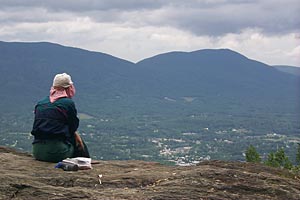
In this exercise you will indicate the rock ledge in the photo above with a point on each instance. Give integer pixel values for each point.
(24, 178)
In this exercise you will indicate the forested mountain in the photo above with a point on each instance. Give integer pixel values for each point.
(27, 70)
(221, 74)
(170, 105)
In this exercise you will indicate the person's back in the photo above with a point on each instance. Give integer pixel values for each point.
(55, 124)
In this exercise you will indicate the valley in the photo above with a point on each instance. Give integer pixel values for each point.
(183, 140)
(174, 108)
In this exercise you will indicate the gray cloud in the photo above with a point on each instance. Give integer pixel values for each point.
(84, 5)
(266, 30)
(213, 17)
(222, 18)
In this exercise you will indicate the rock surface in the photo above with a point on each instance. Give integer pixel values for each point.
(22, 177)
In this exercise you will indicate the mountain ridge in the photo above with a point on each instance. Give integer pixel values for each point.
(54, 45)
(288, 69)
(200, 51)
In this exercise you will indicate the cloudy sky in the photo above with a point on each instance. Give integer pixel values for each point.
(264, 30)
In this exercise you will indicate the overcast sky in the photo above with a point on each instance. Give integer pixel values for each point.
(264, 30)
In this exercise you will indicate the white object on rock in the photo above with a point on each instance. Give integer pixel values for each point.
(82, 162)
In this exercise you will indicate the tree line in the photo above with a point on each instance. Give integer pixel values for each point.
(274, 159)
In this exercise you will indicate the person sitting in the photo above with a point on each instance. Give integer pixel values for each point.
(55, 124)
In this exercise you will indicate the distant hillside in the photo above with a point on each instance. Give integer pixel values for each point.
(24, 178)
(288, 69)
(177, 107)
(27, 70)
(221, 74)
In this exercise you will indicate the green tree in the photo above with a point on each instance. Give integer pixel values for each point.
(271, 161)
(252, 155)
(279, 159)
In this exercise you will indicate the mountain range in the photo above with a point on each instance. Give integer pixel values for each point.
(207, 76)
(210, 103)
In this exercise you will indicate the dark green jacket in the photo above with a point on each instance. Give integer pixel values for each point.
(57, 120)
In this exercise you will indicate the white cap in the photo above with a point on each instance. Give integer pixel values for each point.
(62, 80)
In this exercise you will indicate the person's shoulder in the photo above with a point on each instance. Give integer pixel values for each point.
(65, 101)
